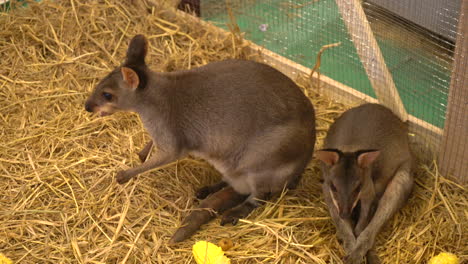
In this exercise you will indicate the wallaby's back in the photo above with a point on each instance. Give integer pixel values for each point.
(234, 90)
(234, 101)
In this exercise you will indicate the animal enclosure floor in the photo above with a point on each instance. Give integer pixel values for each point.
(60, 203)
(297, 30)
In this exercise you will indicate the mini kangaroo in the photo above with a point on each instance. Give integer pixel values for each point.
(251, 122)
(366, 166)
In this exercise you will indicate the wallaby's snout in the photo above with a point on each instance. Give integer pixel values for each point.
(89, 106)
(344, 212)
(102, 107)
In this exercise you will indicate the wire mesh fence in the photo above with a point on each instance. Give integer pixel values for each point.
(408, 45)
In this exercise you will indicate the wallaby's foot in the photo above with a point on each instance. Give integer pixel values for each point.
(372, 257)
(123, 177)
(203, 192)
(219, 202)
(233, 215)
(143, 154)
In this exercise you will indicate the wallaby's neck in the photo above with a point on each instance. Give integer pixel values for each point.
(156, 97)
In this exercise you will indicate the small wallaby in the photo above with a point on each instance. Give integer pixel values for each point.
(366, 166)
(250, 121)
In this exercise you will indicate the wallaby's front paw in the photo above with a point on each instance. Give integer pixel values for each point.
(353, 258)
(347, 240)
(122, 177)
(362, 247)
(348, 245)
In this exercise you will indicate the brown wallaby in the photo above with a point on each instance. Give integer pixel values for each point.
(250, 121)
(366, 165)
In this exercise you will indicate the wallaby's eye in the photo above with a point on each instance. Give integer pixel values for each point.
(107, 96)
(333, 188)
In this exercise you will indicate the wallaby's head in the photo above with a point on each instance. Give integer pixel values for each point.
(117, 90)
(347, 176)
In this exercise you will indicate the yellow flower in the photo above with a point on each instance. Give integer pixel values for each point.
(208, 253)
(444, 258)
(5, 260)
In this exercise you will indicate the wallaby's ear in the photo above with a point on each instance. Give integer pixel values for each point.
(137, 50)
(130, 77)
(328, 157)
(365, 159)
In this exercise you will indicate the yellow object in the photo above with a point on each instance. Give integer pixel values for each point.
(444, 258)
(5, 260)
(208, 253)
(225, 244)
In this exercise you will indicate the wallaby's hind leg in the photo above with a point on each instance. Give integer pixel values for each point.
(394, 197)
(203, 192)
(233, 215)
(267, 184)
(259, 190)
(263, 188)
(219, 202)
(143, 154)
(282, 165)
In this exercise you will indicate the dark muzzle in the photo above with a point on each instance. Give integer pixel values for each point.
(89, 107)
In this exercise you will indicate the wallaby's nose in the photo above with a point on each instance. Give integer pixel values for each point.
(88, 107)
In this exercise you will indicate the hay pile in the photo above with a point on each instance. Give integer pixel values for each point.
(59, 202)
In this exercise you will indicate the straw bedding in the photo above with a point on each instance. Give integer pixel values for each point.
(59, 202)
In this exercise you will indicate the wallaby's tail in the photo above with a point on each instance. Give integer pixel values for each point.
(218, 202)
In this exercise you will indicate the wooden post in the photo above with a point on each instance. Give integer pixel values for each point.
(453, 154)
(371, 56)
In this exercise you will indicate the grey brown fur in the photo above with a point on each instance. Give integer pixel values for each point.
(218, 202)
(251, 122)
(366, 158)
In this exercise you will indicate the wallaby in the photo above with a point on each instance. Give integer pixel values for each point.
(366, 166)
(250, 121)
